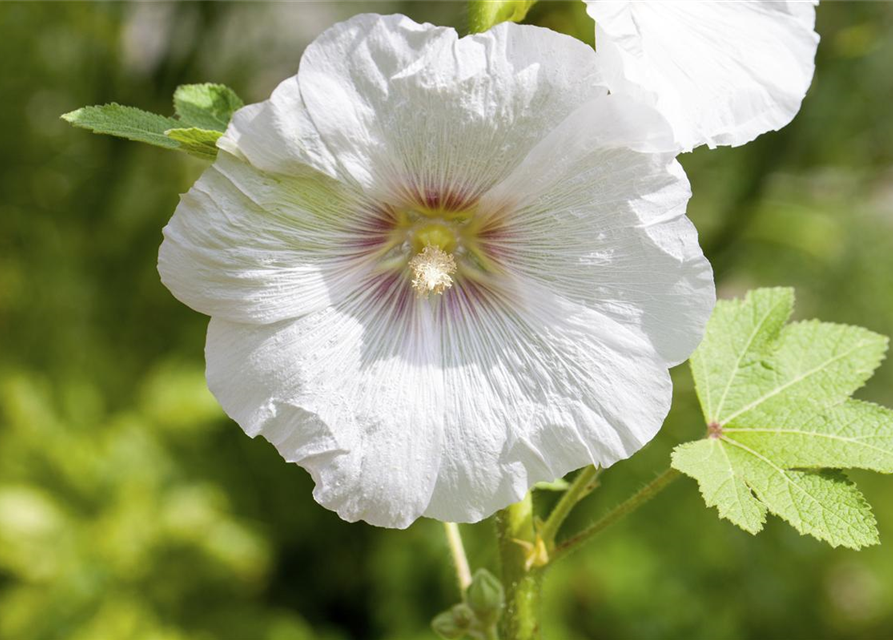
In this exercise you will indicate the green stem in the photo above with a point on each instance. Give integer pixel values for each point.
(582, 486)
(483, 14)
(514, 525)
(631, 504)
(457, 551)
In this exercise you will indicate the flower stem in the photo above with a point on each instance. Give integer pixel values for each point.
(624, 508)
(483, 14)
(581, 487)
(457, 551)
(514, 527)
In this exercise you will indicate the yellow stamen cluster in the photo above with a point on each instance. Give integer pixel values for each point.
(432, 269)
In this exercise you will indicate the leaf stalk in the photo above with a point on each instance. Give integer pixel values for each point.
(617, 513)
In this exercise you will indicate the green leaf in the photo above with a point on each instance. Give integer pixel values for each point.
(201, 143)
(710, 463)
(776, 400)
(206, 106)
(203, 113)
(125, 122)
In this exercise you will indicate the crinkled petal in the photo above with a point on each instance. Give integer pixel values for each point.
(278, 135)
(410, 107)
(400, 408)
(596, 213)
(253, 247)
(534, 390)
(721, 71)
(355, 397)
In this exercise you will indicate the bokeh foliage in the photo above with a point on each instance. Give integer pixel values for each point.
(130, 508)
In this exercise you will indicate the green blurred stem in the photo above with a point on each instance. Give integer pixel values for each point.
(483, 14)
(582, 486)
(480, 16)
(632, 503)
(514, 530)
(457, 551)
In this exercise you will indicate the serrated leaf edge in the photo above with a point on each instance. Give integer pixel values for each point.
(713, 504)
(71, 118)
(817, 369)
(871, 521)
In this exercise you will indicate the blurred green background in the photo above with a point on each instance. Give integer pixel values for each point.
(131, 509)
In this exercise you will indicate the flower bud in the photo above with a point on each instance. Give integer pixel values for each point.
(455, 623)
(485, 596)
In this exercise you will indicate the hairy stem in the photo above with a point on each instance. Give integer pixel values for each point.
(457, 551)
(581, 487)
(624, 508)
(514, 530)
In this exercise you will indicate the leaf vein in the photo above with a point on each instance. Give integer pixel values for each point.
(796, 380)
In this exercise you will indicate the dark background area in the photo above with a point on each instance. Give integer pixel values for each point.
(131, 508)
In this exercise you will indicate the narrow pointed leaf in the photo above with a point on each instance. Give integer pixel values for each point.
(125, 122)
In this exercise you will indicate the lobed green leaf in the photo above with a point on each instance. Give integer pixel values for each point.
(776, 401)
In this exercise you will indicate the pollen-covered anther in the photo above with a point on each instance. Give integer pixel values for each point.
(432, 269)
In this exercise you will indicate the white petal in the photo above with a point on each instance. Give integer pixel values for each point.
(450, 415)
(722, 71)
(398, 102)
(252, 247)
(278, 135)
(535, 391)
(597, 214)
(351, 399)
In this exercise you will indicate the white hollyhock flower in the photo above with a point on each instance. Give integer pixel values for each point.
(721, 71)
(440, 270)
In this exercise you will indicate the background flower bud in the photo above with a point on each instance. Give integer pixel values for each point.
(485, 596)
(446, 625)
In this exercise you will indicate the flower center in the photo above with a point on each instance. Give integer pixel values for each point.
(432, 269)
(434, 234)
(439, 242)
